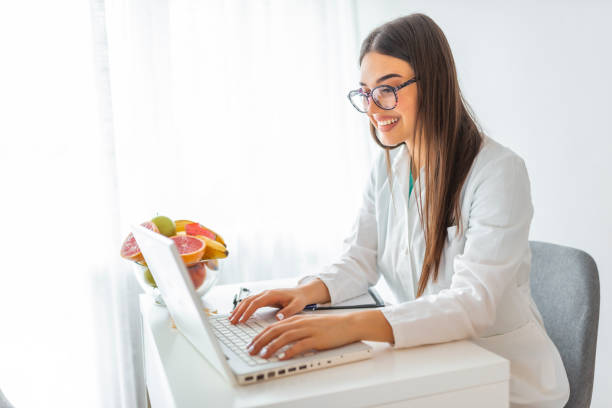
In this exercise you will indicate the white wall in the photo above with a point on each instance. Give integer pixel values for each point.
(539, 78)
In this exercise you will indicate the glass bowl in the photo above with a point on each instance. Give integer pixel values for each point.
(204, 274)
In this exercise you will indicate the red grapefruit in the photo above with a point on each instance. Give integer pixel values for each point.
(198, 274)
(130, 250)
(180, 225)
(197, 229)
(190, 248)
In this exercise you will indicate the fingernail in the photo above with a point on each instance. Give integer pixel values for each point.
(263, 351)
(250, 348)
(281, 355)
(280, 316)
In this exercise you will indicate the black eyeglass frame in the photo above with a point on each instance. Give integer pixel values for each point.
(368, 94)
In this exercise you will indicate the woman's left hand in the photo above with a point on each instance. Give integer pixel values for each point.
(306, 332)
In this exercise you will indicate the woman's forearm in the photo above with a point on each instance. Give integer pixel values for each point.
(367, 324)
(316, 291)
(371, 325)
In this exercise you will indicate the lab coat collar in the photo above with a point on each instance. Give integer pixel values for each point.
(401, 172)
(407, 207)
(401, 153)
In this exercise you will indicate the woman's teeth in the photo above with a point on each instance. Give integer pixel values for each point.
(387, 122)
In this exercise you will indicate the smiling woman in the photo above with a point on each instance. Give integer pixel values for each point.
(428, 117)
(384, 96)
(456, 253)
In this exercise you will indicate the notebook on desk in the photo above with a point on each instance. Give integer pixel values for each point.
(221, 343)
(369, 299)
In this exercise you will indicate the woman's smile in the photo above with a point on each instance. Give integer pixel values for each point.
(386, 124)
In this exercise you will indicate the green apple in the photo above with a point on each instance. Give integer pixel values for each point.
(165, 225)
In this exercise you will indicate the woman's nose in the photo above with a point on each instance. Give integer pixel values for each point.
(372, 107)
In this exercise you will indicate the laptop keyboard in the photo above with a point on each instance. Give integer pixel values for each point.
(237, 336)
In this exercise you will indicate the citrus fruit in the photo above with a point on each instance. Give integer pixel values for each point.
(197, 272)
(198, 229)
(130, 250)
(180, 225)
(191, 249)
(166, 225)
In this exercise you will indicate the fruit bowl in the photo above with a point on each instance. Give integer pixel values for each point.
(204, 274)
(200, 248)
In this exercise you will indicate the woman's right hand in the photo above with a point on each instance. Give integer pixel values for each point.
(289, 300)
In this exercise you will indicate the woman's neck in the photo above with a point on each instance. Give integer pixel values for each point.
(416, 164)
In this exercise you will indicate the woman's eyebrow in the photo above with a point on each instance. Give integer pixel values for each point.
(382, 78)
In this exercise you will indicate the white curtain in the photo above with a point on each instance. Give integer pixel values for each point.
(234, 114)
(230, 113)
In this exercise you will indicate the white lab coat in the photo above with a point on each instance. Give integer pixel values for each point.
(482, 291)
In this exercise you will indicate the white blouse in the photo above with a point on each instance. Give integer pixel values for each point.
(482, 291)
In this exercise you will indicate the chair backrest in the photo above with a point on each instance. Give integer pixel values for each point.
(565, 287)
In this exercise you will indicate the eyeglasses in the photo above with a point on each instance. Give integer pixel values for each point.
(384, 96)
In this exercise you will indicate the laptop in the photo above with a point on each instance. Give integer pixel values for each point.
(222, 344)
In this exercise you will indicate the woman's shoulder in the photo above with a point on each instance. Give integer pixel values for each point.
(492, 150)
(495, 158)
(498, 177)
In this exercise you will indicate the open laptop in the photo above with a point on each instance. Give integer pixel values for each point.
(221, 343)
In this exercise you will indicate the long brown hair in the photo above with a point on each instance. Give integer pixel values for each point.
(445, 130)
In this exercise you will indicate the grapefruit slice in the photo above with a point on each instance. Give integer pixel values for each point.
(198, 229)
(190, 248)
(180, 225)
(197, 272)
(130, 250)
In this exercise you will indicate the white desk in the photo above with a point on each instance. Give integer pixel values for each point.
(457, 374)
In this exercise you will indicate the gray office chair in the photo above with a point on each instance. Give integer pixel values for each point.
(565, 287)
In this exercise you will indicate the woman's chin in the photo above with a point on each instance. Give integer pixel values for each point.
(390, 141)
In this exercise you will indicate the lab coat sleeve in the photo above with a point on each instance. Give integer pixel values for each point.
(354, 270)
(496, 239)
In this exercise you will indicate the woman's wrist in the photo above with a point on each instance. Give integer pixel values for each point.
(315, 291)
(371, 325)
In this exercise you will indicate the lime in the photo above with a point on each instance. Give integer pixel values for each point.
(149, 278)
(166, 225)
